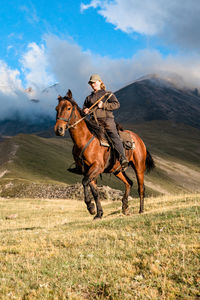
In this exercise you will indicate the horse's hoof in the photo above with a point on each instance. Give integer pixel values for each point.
(91, 209)
(141, 211)
(126, 212)
(97, 217)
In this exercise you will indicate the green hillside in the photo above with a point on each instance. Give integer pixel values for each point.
(31, 159)
(43, 160)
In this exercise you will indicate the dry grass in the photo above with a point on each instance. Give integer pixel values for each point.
(51, 249)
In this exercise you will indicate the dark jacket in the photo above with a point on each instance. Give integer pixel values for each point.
(109, 104)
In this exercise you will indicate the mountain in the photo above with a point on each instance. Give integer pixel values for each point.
(149, 98)
(153, 98)
(16, 125)
(32, 120)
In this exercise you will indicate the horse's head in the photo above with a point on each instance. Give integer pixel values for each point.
(65, 113)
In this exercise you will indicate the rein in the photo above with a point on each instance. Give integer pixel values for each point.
(71, 115)
(91, 108)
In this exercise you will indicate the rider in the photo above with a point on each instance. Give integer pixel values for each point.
(103, 115)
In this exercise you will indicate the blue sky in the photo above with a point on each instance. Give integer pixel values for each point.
(43, 42)
(24, 22)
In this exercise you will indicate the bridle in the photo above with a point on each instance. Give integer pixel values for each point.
(68, 126)
(67, 120)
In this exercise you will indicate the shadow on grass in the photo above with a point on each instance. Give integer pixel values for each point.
(21, 229)
(113, 213)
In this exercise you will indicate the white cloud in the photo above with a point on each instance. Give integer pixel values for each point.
(93, 4)
(65, 62)
(174, 22)
(72, 67)
(9, 79)
(9, 47)
(13, 97)
(35, 67)
(30, 13)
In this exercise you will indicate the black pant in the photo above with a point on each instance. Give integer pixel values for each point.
(111, 130)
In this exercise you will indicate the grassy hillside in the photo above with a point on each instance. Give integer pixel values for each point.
(51, 249)
(45, 161)
(175, 148)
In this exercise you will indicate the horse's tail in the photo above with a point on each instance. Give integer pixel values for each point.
(150, 164)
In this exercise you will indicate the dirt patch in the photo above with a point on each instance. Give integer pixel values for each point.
(183, 175)
(156, 187)
(13, 152)
(8, 151)
(2, 173)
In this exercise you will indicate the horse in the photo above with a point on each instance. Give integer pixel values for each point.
(95, 159)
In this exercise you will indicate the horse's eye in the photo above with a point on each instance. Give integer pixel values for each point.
(69, 108)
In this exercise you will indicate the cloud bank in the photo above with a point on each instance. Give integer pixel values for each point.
(62, 61)
(174, 22)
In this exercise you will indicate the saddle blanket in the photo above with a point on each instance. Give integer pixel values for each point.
(126, 139)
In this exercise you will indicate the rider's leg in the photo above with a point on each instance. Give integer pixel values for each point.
(111, 130)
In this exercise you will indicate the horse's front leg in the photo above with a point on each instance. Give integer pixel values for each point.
(89, 179)
(87, 199)
(95, 194)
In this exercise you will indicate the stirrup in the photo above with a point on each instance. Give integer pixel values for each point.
(124, 164)
(120, 169)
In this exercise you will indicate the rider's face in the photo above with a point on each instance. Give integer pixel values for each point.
(96, 85)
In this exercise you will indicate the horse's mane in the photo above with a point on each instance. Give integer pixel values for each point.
(92, 126)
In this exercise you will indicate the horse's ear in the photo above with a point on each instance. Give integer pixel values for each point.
(59, 98)
(69, 94)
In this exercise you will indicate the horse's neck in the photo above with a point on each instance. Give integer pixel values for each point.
(80, 134)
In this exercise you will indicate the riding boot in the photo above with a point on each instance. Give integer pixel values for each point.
(121, 152)
(124, 163)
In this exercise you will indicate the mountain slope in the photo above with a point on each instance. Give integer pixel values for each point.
(157, 99)
(45, 160)
(16, 125)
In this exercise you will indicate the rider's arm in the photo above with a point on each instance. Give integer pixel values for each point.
(112, 103)
(86, 106)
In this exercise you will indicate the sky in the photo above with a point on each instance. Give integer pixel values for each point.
(59, 41)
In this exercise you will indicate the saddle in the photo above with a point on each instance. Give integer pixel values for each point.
(125, 137)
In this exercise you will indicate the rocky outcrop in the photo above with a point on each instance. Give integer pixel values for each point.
(55, 191)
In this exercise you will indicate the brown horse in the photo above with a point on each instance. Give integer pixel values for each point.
(96, 159)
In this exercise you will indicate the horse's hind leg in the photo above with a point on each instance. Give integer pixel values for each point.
(128, 183)
(141, 189)
(88, 202)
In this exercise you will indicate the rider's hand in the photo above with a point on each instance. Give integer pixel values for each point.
(86, 111)
(100, 104)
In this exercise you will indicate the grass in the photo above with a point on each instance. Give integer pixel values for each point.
(51, 249)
